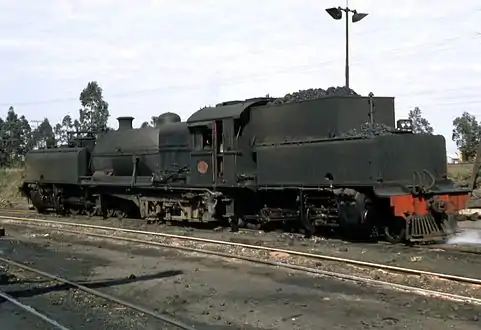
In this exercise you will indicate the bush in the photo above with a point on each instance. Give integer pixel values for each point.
(10, 180)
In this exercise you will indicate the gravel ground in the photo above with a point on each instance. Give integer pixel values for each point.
(14, 318)
(71, 308)
(422, 282)
(213, 293)
(440, 258)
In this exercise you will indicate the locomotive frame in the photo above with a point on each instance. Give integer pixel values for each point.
(257, 162)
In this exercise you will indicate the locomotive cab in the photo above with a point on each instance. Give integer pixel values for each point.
(220, 154)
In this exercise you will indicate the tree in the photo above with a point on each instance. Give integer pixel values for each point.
(63, 129)
(466, 135)
(43, 136)
(94, 114)
(152, 123)
(16, 138)
(3, 153)
(420, 124)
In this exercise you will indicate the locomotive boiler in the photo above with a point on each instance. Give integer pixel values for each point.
(335, 161)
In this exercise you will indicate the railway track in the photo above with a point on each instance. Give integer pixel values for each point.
(32, 311)
(164, 318)
(181, 243)
(17, 211)
(454, 248)
(211, 226)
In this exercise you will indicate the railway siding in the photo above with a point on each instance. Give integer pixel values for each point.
(325, 265)
(460, 261)
(228, 293)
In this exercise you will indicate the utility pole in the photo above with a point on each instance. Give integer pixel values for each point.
(336, 13)
(36, 122)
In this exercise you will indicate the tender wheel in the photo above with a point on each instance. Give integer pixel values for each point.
(395, 230)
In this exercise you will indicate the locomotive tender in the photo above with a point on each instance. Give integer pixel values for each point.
(332, 161)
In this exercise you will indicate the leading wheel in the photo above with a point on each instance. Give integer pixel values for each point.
(450, 224)
(395, 230)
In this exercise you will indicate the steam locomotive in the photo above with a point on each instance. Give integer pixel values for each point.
(332, 161)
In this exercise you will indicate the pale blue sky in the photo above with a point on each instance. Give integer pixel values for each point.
(157, 56)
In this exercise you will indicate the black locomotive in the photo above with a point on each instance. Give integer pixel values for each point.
(335, 161)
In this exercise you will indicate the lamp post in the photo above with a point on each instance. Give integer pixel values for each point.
(336, 13)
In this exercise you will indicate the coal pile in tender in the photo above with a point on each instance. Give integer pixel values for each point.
(368, 130)
(314, 94)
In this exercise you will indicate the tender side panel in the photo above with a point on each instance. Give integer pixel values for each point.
(411, 158)
(308, 164)
(409, 204)
(61, 166)
(399, 159)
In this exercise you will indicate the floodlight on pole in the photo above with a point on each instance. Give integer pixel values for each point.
(336, 13)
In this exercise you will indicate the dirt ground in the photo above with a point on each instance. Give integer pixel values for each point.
(423, 282)
(212, 293)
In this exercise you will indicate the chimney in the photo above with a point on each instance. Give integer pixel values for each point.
(125, 123)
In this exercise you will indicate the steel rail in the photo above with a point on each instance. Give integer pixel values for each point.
(164, 318)
(354, 278)
(32, 310)
(404, 270)
(19, 211)
(431, 247)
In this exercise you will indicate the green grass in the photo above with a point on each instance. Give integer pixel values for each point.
(460, 172)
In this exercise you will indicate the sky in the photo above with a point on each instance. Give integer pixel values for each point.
(151, 57)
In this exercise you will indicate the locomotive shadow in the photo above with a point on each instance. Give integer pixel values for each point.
(211, 225)
(350, 237)
(270, 228)
(31, 292)
(193, 225)
(280, 228)
(325, 233)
